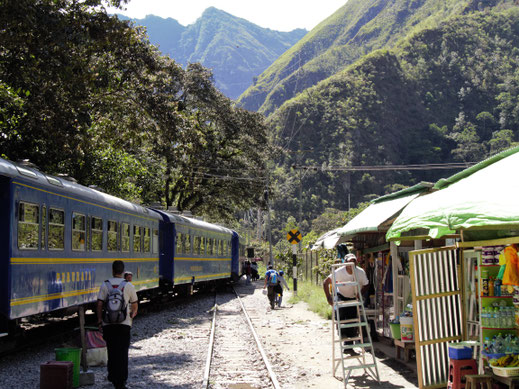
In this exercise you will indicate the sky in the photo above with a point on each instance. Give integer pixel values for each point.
(281, 15)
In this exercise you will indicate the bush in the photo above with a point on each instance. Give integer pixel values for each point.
(314, 296)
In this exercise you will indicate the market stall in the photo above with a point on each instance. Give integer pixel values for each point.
(366, 234)
(465, 289)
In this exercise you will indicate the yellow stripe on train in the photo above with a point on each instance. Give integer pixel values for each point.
(51, 261)
(221, 275)
(72, 293)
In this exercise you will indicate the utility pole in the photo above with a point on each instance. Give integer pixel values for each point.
(266, 194)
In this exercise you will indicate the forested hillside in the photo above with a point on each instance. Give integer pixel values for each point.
(234, 49)
(355, 30)
(447, 93)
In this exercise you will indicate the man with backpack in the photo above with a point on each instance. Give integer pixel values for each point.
(271, 281)
(116, 308)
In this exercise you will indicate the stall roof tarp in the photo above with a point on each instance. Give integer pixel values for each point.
(327, 240)
(484, 195)
(375, 215)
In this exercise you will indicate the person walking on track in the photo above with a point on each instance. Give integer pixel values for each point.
(116, 308)
(271, 281)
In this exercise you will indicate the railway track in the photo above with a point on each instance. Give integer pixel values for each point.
(44, 329)
(235, 357)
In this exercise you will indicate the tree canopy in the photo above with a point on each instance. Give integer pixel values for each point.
(85, 94)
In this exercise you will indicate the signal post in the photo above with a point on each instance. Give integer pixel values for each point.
(294, 237)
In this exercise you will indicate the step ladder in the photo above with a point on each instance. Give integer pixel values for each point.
(366, 345)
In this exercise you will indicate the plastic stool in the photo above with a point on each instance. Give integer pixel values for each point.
(478, 381)
(458, 369)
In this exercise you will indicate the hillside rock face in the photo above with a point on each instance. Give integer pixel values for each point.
(234, 49)
(355, 30)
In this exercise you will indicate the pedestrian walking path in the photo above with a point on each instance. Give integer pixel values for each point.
(299, 344)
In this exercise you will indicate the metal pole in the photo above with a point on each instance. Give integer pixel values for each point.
(311, 268)
(271, 259)
(294, 264)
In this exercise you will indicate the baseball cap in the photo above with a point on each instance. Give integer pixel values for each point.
(350, 258)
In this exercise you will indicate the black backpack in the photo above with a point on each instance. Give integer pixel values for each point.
(114, 308)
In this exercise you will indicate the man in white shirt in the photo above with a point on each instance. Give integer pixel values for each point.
(346, 292)
(117, 335)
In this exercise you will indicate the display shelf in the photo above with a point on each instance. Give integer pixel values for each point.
(499, 329)
(490, 265)
(496, 297)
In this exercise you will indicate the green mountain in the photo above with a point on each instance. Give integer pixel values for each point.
(353, 31)
(235, 49)
(443, 94)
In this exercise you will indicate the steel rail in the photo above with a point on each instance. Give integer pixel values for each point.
(205, 383)
(272, 375)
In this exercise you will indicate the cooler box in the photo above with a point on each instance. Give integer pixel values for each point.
(460, 350)
(56, 375)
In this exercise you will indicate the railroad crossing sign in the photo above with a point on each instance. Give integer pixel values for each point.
(294, 236)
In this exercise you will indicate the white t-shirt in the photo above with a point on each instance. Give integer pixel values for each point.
(130, 296)
(341, 275)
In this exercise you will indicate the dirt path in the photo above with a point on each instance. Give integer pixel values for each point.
(298, 343)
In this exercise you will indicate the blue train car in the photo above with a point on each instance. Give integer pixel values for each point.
(58, 240)
(194, 251)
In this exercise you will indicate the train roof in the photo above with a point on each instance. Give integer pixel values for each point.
(52, 183)
(195, 223)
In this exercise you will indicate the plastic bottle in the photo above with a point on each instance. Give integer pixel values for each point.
(496, 317)
(499, 347)
(497, 287)
(486, 346)
(502, 317)
(484, 317)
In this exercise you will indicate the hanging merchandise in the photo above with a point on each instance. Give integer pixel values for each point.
(511, 276)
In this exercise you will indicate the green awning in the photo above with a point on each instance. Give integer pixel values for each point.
(481, 197)
(382, 210)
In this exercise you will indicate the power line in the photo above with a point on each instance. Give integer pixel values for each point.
(427, 166)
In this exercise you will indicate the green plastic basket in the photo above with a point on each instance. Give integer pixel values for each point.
(395, 330)
(72, 355)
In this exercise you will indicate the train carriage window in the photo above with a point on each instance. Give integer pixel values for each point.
(209, 246)
(78, 232)
(112, 236)
(137, 239)
(28, 226)
(155, 242)
(56, 229)
(228, 248)
(202, 245)
(44, 227)
(147, 240)
(125, 237)
(222, 249)
(97, 234)
(189, 239)
(196, 246)
(178, 243)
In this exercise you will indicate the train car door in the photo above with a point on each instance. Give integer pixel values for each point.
(6, 207)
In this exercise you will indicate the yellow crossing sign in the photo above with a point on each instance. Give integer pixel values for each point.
(294, 236)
